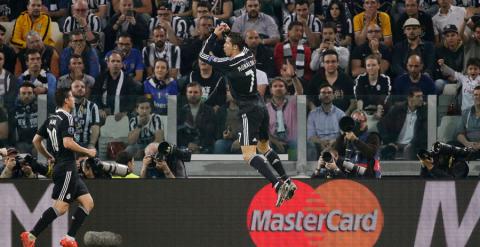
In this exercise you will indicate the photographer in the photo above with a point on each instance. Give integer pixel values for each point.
(328, 166)
(21, 165)
(445, 161)
(92, 168)
(160, 165)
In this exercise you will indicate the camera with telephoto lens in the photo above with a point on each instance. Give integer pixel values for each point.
(168, 151)
(27, 159)
(102, 169)
(348, 124)
(348, 166)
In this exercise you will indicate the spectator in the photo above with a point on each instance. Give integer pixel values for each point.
(23, 119)
(132, 58)
(203, 9)
(127, 20)
(44, 81)
(282, 110)
(447, 15)
(337, 14)
(253, 19)
(154, 168)
(341, 83)
(88, 23)
(263, 54)
(229, 124)
(372, 88)
(56, 9)
(404, 128)
(294, 83)
(162, 48)
(159, 86)
(142, 7)
(145, 127)
(311, 25)
(11, 9)
(8, 85)
(221, 9)
(181, 8)
(322, 123)
(176, 28)
(471, 39)
(98, 8)
(76, 68)
(214, 86)
(292, 49)
(369, 17)
(329, 34)
(86, 115)
(78, 46)
(195, 126)
(9, 54)
(50, 57)
(452, 52)
(32, 20)
(373, 46)
(414, 77)
(412, 10)
(113, 88)
(413, 44)
(468, 134)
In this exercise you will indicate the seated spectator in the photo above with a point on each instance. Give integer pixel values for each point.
(221, 9)
(99, 8)
(294, 50)
(467, 81)
(322, 124)
(50, 57)
(336, 14)
(282, 110)
(32, 20)
(145, 127)
(373, 46)
(447, 15)
(229, 124)
(412, 10)
(44, 81)
(8, 85)
(162, 48)
(142, 7)
(181, 8)
(329, 34)
(86, 116)
(470, 34)
(56, 9)
(113, 88)
(159, 86)
(212, 82)
(78, 46)
(9, 54)
(153, 168)
(23, 119)
(404, 128)
(132, 58)
(11, 9)
(203, 9)
(195, 127)
(372, 88)
(87, 23)
(294, 83)
(263, 54)
(413, 44)
(176, 28)
(311, 25)
(369, 17)
(468, 134)
(253, 19)
(126, 21)
(414, 78)
(76, 68)
(452, 52)
(340, 81)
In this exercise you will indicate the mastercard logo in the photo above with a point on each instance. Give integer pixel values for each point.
(336, 213)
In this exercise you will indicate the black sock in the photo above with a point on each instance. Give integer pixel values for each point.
(47, 217)
(259, 163)
(275, 161)
(77, 221)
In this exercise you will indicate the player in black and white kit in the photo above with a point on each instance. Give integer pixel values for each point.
(239, 70)
(59, 130)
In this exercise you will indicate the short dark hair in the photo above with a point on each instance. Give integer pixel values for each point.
(114, 52)
(476, 88)
(324, 85)
(3, 29)
(194, 84)
(280, 79)
(27, 84)
(414, 90)
(164, 5)
(77, 32)
(204, 4)
(124, 35)
(124, 157)
(331, 25)
(293, 24)
(161, 59)
(75, 56)
(236, 39)
(30, 52)
(329, 52)
(301, 2)
(61, 95)
(473, 61)
(142, 99)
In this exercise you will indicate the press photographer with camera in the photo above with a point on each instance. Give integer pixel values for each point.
(328, 165)
(92, 168)
(445, 161)
(21, 165)
(164, 160)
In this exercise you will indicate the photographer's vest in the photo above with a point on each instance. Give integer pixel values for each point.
(362, 161)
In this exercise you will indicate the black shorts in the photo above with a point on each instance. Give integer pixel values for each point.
(68, 186)
(255, 122)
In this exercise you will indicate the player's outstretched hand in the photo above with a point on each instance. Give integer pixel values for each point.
(92, 152)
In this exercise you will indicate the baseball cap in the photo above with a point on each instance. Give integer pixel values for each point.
(450, 28)
(411, 22)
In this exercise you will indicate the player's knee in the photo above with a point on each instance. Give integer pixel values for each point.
(60, 208)
(248, 152)
(248, 157)
(263, 146)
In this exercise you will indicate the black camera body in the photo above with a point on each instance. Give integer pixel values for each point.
(26, 159)
(451, 159)
(104, 169)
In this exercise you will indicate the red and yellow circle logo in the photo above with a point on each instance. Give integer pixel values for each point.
(337, 213)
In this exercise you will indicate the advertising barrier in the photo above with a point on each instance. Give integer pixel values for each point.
(241, 212)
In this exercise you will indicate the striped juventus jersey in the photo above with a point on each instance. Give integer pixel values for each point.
(147, 132)
(312, 22)
(170, 52)
(239, 70)
(85, 115)
(94, 4)
(179, 6)
(71, 24)
(178, 24)
(56, 127)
